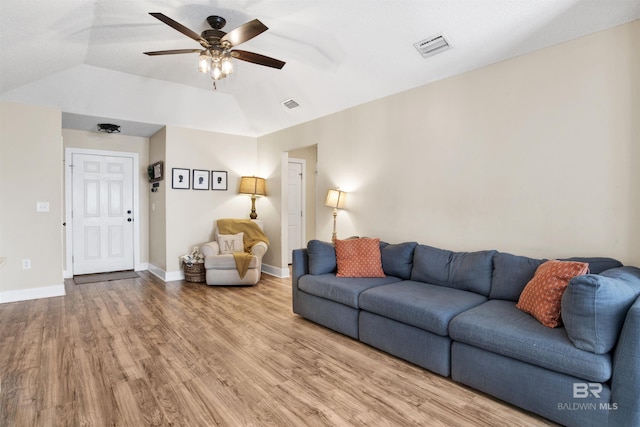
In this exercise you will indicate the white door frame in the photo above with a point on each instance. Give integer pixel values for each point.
(303, 201)
(68, 203)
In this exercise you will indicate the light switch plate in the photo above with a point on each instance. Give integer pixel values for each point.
(42, 206)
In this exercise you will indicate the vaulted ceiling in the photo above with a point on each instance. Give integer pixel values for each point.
(86, 57)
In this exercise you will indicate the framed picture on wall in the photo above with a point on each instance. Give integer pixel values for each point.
(219, 180)
(200, 179)
(180, 178)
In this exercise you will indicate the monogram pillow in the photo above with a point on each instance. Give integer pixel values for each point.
(230, 243)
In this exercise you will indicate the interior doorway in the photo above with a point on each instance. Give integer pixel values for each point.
(296, 205)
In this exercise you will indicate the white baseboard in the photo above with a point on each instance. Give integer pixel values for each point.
(32, 293)
(142, 266)
(165, 276)
(275, 271)
(170, 276)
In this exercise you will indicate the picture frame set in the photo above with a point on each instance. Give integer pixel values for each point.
(198, 179)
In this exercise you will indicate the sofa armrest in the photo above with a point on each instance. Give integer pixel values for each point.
(259, 249)
(210, 249)
(299, 267)
(625, 384)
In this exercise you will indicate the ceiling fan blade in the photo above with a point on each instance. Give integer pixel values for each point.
(244, 32)
(171, 52)
(179, 27)
(256, 58)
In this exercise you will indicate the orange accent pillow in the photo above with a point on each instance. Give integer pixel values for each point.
(543, 294)
(359, 258)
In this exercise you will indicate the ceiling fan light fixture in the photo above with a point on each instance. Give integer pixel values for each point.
(216, 72)
(227, 65)
(216, 57)
(204, 62)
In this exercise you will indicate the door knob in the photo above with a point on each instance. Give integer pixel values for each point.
(129, 220)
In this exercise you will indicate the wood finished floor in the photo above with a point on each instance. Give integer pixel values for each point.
(140, 352)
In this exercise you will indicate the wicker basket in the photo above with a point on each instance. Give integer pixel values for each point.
(194, 272)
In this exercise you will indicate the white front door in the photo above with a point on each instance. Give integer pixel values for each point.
(296, 206)
(102, 213)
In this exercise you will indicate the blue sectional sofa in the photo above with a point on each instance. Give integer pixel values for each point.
(454, 313)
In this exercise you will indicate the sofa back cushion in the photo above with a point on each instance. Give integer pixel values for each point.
(467, 271)
(397, 259)
(322, 257)
(596, 264)
(594, 307)
(511, 273)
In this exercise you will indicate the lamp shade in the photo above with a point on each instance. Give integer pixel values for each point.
(253, 185)
(336, 199)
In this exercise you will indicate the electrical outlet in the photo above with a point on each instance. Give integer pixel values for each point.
(26, 264)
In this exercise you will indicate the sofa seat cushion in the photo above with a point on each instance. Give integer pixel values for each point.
(344, 290)
(425, 306)
(500, 327)
(225, 262)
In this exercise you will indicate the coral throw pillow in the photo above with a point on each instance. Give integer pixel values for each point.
(359, 258)
(543, 294)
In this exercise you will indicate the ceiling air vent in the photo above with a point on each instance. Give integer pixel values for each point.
(290, 104)
(432, 46)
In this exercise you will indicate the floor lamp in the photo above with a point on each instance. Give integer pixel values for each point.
(335, 199)
(253, 186)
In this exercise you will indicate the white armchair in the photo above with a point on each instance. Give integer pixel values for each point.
(221, 269)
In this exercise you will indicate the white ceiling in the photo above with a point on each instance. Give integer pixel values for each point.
(85, 57)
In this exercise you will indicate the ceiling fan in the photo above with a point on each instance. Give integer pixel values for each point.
(216, 52)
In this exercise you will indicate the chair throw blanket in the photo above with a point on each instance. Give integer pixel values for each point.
(252, 235)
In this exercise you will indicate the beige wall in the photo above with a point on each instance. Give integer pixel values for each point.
(158, 203)
(30, 172)
(131, 144)
(537, 155)
(190, 214)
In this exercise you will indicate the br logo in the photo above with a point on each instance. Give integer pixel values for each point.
(584, 390)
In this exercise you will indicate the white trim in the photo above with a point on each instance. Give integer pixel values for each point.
(156, 271)
(165, 276)
(32, 293)
(303, 201)
(68, 202)
(282, 273)
(170, 276)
